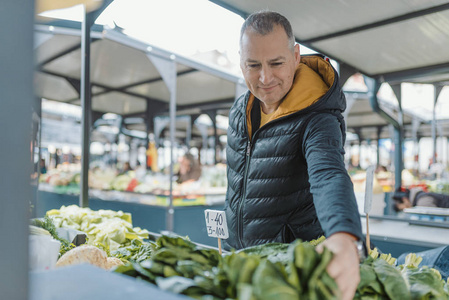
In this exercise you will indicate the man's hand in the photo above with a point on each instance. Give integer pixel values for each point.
(344, 266)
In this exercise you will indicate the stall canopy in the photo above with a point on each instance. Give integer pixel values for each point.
(394, 41)
(125, 81)
(124, 77)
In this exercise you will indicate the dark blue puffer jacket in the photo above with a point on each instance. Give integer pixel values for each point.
(288, 180)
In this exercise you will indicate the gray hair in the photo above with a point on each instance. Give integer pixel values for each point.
(263, 22)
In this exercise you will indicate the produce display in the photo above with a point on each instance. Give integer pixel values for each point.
(278, 271)
(107, 228)
(270, 271)
(274, 271)
(66, 180)
(381, 279)
(439, 186)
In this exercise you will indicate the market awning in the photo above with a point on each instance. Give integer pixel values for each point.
(394, 41)
(124, 79)
(126, 82)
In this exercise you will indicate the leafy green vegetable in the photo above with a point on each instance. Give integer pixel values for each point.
(276, 271)
(269, 283)
(394, 285)
(137, 251)
(263, 272)
(112, 229)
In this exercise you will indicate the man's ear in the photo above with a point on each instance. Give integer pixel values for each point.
(297, 55)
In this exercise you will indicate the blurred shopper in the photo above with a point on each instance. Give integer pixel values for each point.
(42, 165)
(286, 174)
(406, 198)
(126, 167)
(189, 169)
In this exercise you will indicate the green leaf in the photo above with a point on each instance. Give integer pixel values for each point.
(369, 284)
(425, 284)
(175, 284)
(268, 283)
(392, 280)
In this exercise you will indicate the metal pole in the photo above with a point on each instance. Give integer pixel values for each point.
(379, 131)
(189, 132)
(171, 211)
(86, 104)
(437, 90)
(373, 87)
(215, 136)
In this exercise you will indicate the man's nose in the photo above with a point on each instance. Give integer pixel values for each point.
(266, 75)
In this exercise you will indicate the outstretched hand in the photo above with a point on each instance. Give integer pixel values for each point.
(344, 266)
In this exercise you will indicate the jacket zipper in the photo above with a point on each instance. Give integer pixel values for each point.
(240, 210)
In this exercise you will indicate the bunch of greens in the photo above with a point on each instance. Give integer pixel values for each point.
(137, 251)
(178, 265)
(280, 271)
(381, 279)
(272, 271)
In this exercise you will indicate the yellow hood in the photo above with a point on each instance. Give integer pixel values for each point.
(313, 78)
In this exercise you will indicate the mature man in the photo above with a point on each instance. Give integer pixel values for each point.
(286, 175)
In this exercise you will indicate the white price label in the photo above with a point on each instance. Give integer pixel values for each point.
(216, 224)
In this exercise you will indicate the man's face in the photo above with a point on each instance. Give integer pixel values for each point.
(268, 64)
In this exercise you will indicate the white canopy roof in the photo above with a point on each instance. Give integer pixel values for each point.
(393, 40)
(124, 79)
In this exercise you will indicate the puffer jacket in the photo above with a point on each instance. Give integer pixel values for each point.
(287, 179)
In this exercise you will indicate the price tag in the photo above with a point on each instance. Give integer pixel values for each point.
(216, 224)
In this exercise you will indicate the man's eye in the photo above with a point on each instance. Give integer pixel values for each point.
(253, 66)
(276, 64)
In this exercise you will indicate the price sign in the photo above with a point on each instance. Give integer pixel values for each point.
(216, 224)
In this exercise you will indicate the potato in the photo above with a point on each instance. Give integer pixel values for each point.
(84, 254)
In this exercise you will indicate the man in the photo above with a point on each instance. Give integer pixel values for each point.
(286, 175)
(406, 198)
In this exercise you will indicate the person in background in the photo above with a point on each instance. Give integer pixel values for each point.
(380, 168)
(285, 153)
(43, 167)
(140, 170)
(189, 169)
(126, 168)
(406, 198)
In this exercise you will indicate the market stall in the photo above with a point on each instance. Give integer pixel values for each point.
(263, 277)
(168, 264)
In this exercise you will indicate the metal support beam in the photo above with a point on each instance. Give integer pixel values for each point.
(167, 69)
(373, 87)
(437, 90)
(189, 132)
(415, 127)
(86, 105)
(213, 116)
(86, 100)
(379, 132)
